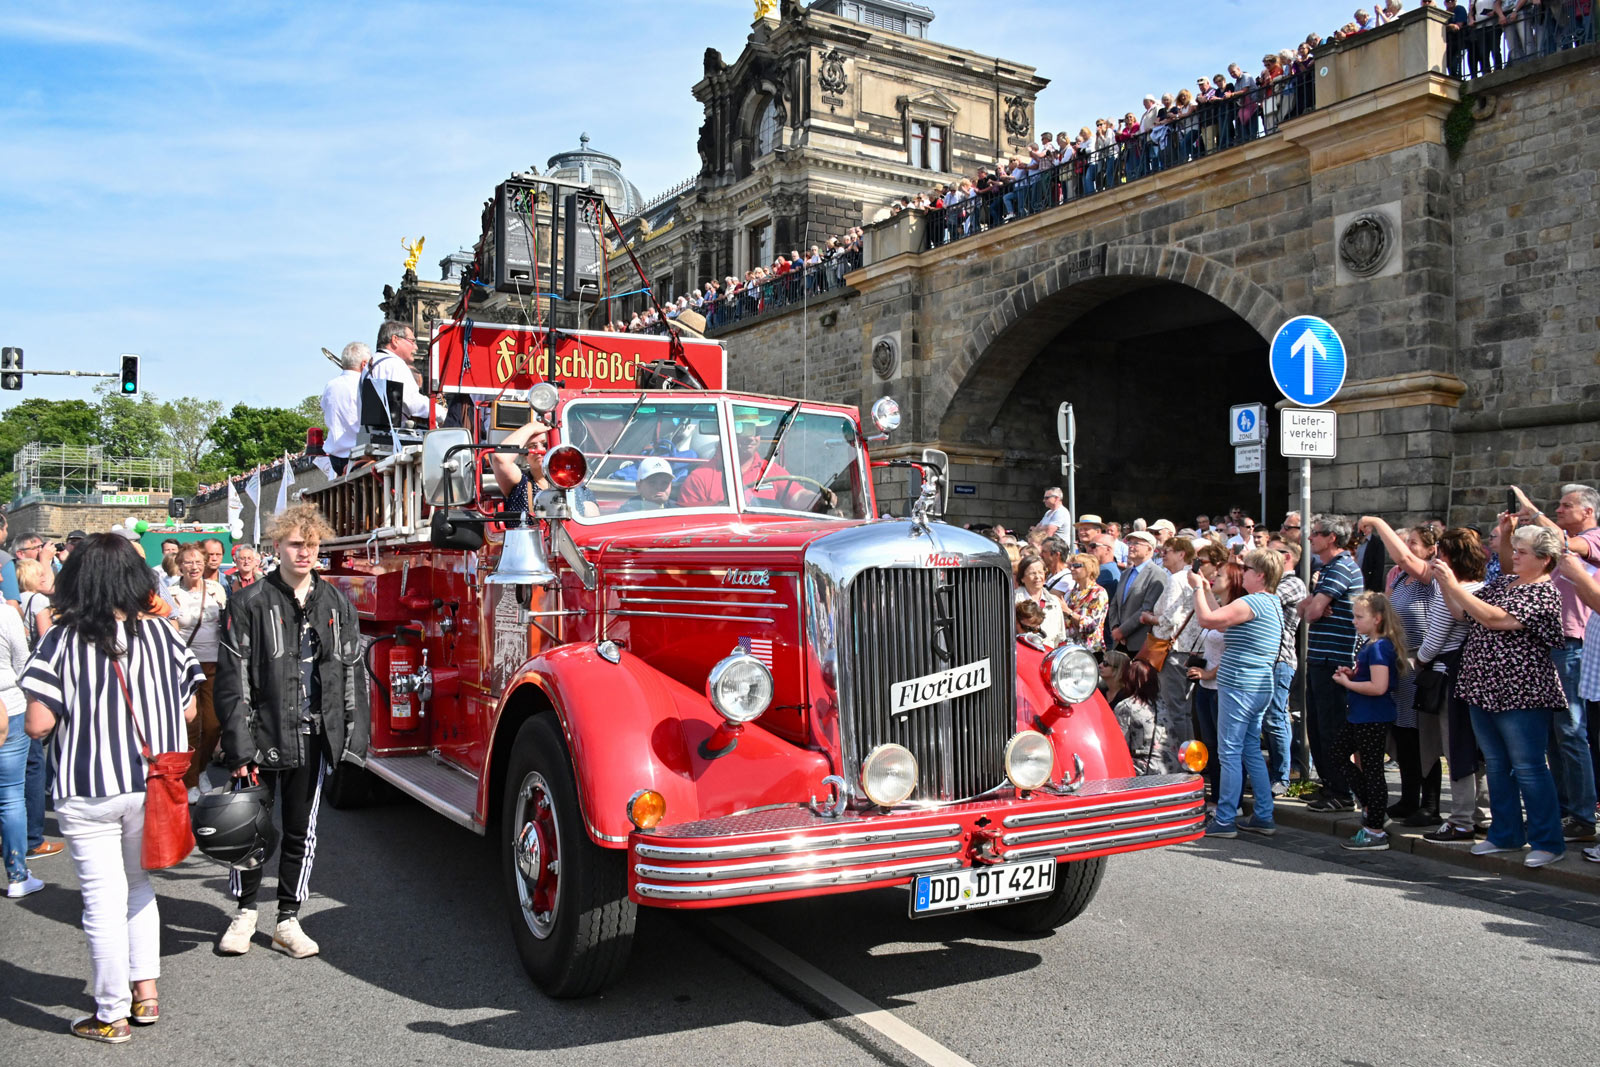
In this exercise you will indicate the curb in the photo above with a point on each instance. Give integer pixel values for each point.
(1571, 872)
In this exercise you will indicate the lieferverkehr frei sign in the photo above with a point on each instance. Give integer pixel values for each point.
(1308, 434)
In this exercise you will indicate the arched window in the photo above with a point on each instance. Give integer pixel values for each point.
(767, 129)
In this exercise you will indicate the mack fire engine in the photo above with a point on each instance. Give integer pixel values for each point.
(747, 687)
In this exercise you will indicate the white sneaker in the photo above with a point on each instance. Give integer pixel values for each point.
(30, 884)
(235, 940)
(1539, 857)
(1486, 848)
(293, 940)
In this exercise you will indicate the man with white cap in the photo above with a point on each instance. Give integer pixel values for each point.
(1056, 519)
(653, 488)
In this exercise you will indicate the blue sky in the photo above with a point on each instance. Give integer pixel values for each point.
(223, 188)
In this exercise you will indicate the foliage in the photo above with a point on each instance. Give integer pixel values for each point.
(128, 426)
(55, 422)
(1458, 126)
(188, 422)
(310, 409)
(248, 436)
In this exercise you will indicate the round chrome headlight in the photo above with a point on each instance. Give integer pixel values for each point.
(889, 774)
(1071, 673)
(1030, 759)
(740, 688)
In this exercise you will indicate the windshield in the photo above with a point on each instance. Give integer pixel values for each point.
(792, 459)
(667, 456)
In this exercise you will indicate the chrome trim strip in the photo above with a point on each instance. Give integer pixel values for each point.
(816, 842)
(628, 599)
(1091, 844)
(718, 549)
(816, 880)
(1078, 811)
(736, 589)
(800, 862)
(1096, 826)
(690, 615)
(630, 570)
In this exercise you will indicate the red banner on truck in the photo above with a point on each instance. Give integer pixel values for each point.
(512, 358)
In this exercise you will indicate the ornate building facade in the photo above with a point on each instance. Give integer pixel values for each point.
(829, 112)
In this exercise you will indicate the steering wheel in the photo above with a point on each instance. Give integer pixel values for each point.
(822, 491)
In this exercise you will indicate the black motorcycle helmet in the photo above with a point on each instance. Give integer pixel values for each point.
(234, 825)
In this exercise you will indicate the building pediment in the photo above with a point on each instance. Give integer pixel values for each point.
(929, 102)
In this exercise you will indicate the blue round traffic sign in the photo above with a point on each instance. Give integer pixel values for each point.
(1307, 361)
(1247, 420)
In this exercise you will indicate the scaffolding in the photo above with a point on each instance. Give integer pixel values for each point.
(77, 474)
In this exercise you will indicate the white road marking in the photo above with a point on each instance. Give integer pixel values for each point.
(865, 1011)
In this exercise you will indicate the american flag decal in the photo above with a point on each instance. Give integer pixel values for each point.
(759, 647)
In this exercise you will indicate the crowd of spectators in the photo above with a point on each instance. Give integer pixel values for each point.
(1221, 111)
(1461, 655)
(790, 279)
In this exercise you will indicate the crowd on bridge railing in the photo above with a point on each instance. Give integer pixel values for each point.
(791, 279)
(1470, 657)
(1488, 35)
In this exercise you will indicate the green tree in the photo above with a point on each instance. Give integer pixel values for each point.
(247, 436)
(187, 421)
(310, 409)
(50, 422)
(130, 427)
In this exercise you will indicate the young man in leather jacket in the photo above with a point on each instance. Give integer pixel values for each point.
(292, 699)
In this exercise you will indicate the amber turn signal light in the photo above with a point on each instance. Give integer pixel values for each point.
(645, 809)
(1194, 755)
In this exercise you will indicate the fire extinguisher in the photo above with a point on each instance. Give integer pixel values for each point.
(402, 694)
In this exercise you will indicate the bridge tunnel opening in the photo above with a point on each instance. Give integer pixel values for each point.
(1151, 369)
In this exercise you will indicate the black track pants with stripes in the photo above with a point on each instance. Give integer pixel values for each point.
(298, 792)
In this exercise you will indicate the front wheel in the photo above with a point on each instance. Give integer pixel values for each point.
(1076, 883)
(568, 898)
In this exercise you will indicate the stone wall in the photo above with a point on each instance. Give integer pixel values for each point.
(55, 521)
(1528, 275)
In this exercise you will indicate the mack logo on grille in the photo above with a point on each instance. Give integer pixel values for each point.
(744, 577)
(943, 685)
(943, 559)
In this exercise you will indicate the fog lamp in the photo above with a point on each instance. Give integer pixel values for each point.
(1193, 755)
(1071, 674)
(740, 687)
(565, 467)
(889, 774)
(543, 398)
(1030, 759)
(645, 809)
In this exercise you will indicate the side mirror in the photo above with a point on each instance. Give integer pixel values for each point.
(448, 463)
(940, 463)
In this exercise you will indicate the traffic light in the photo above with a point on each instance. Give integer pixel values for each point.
(10, 368)
(130, 375)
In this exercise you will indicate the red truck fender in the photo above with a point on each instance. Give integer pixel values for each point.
(1088, 730)
(629, 727)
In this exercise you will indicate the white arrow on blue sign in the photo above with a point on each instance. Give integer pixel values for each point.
(1308, 361)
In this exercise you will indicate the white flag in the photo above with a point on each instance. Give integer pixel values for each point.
(285, 485)
(235, 505)
(323, 464)
(252, 489)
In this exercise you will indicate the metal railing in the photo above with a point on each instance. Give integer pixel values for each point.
(1213, 126)
(1492, 44)
(779, 293)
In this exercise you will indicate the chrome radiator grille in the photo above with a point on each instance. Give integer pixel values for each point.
(890, 636)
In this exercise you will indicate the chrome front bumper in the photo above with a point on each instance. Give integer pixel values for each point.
(791, 852)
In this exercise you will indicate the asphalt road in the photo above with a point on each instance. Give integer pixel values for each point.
(1237, 952)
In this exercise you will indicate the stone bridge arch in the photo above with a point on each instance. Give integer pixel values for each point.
(971, 386)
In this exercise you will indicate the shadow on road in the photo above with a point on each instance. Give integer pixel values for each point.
(459, 957)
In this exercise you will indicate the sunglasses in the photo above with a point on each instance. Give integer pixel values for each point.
(1076, 566)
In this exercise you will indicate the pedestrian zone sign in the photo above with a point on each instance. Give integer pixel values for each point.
(1308, 361)
(1306, 434)
(1246, 423)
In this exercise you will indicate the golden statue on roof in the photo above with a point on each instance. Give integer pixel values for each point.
(765, 8)
(413, 251)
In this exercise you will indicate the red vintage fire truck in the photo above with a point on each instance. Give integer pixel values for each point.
(698, 669)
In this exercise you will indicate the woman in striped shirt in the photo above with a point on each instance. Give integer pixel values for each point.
(1252, 628)
(104, 680)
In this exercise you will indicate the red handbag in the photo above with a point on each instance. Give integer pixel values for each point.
(168, 834)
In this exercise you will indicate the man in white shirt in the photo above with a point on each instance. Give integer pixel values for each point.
(341, 408)
(397, 344)
(1056, 520)
(1245, 538)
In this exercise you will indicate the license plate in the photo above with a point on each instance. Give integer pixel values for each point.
(982, 887)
